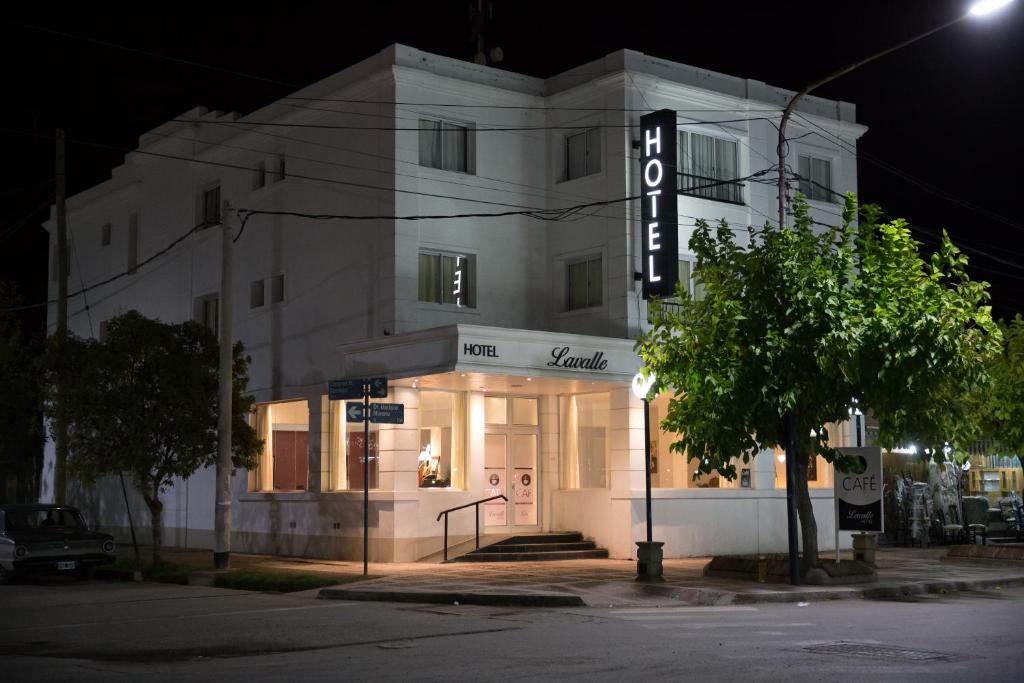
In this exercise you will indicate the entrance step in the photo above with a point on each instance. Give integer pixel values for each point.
(567, 545)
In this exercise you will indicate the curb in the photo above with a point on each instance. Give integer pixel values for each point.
(448, 598)
(883, 592)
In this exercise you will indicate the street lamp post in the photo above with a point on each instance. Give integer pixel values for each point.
(977, 9)
(648, 553)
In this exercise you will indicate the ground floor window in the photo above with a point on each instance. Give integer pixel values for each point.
(442, 456)
(672, 470)
(284, 464)
(585, 441)
(819, 472)
(350, 449)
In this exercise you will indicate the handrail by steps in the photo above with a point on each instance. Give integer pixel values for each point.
(476, 505)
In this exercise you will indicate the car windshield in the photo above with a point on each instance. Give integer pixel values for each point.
(43, 521)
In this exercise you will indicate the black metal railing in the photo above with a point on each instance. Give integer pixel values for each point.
(710, 188)
(476, 514)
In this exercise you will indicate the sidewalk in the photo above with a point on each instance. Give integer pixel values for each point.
(901, 572)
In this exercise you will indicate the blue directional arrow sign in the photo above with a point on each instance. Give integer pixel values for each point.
(354, 412)
(378, 387)
(342, 389)
(391, 413)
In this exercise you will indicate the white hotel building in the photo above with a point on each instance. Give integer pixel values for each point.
(497, 398)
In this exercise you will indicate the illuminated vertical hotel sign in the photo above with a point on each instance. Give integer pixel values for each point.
(658, 210)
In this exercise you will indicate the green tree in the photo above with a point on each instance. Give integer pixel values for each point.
(1002, 405)
(21, 425)
(144, 402)
(796, 323)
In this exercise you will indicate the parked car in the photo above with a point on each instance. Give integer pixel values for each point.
(50, 537)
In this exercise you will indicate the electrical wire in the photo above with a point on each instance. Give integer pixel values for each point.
(924, 185)
(457, 129)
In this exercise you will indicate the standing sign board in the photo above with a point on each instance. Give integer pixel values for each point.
(659, 213)
(859, 492)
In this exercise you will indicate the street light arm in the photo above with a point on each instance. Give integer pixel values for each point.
(787, 112)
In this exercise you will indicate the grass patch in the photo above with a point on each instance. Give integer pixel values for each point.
(166, 572)
(278, 582)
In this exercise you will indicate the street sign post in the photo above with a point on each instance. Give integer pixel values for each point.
(354, 412)
(342, 389)
(378, 387)
(389, 413)
(365, 412)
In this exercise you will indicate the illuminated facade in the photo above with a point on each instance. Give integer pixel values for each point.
(509, 339)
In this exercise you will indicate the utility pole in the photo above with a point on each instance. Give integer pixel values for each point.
(222, 510)
(61, 426)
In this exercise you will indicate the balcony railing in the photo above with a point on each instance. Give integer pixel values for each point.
(710, 188)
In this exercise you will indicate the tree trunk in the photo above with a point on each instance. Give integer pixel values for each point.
(156, 512)
(808, 527)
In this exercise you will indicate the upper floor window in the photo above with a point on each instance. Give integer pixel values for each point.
(259, 178)
(210, 208)
(207, 312)
(583, 153)
(446, 145)
(448, 279)
(816, 178)
(583, 283)
(105, 235)
(279, 170)
(706, 164)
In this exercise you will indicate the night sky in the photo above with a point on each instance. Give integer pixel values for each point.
(944, 114)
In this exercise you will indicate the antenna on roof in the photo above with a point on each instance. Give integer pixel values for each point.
(481, 13)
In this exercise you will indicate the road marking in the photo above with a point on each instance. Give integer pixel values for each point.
(731, 624)
(180, 616)
(687, 610)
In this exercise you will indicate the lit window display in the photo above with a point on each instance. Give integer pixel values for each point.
(585, 441)
(347, 450)
(671, 470)
(284, 463)
(441, 461)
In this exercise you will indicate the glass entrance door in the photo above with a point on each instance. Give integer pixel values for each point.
(511, 448)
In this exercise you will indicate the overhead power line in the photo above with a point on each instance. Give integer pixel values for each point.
(900, 173)
(458, 129)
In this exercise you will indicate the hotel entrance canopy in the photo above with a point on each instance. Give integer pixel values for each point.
(492, 350)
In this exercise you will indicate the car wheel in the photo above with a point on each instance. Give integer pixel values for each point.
(86, 571)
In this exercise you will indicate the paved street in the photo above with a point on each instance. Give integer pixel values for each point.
(60, 630)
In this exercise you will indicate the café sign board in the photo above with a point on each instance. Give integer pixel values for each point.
(859, 492)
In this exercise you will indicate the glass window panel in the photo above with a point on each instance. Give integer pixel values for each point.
(524, 411)
(594, 282)
(277, 289)
(430, 278)
(585, 430)
(495, 410)
(448, 279)
(576, 156)
(684, 276)
(821, 177)
(804, 170)
(442, 439)
(256, 294)
(577, 285)
(430, 143)
(594, 150)
(495, 511)
(453, 141)
(726, 169)
(211, 206)
(284, 429)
